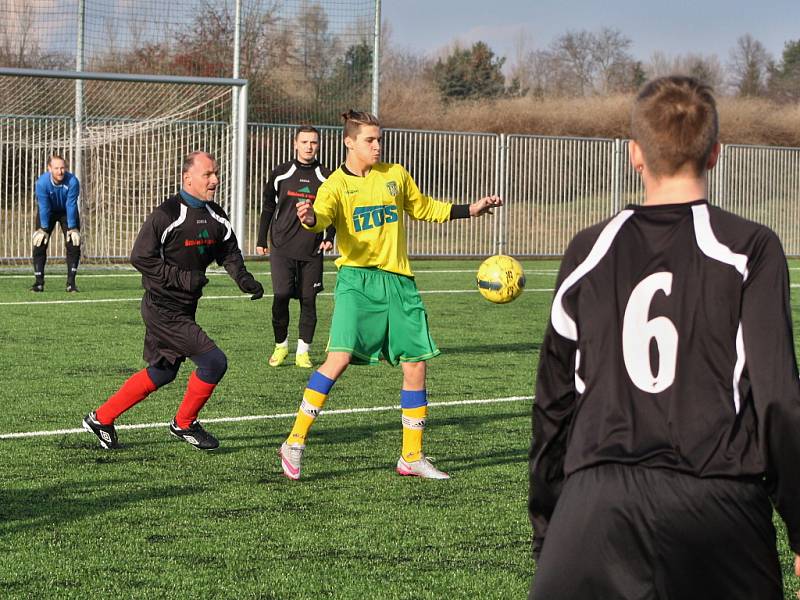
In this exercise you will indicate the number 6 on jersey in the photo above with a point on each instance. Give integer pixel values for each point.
(637, 332)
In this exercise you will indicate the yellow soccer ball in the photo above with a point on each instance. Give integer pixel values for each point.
(500, 279)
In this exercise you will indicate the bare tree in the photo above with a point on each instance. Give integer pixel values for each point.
(582, 63)
(707, 69)
(316, 46)
(612, 60)
(19, 42)
(519, 71)
(749, 66)
(573, 59)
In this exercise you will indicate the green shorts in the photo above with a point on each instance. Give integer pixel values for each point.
(379, 315)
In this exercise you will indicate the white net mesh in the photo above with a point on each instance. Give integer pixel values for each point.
(111, 109)
(134, 136)
(307, 61)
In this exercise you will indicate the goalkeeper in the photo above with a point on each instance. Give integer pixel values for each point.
(177, 242)
(378, 313)
(57, 192)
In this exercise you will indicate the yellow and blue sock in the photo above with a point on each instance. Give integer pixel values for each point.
(414, 406)
(314, 398)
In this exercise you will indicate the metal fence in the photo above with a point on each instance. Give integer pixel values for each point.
(458, 167)
(553, 187)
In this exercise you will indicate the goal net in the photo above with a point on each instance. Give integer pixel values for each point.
(306, 60)
(129, 140)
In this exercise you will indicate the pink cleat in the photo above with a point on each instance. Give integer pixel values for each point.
(291, 457)
(420, 468)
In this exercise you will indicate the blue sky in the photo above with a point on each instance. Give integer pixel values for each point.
(671, 26)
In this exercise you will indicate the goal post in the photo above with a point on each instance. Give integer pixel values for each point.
(129, 137)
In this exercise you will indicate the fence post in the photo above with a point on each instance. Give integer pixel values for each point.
(376, 60)
(239, 189)
(719, 176)
(77, 159)
(236, 132)
(501, 171)
(616, 177)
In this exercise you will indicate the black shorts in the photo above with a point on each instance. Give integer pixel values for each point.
(629, 532)
(57, 216)
(296, 278)
(171, 332)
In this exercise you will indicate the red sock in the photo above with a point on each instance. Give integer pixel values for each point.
(197, 392)
(136, 389)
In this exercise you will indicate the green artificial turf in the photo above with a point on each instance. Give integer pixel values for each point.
(159, 519)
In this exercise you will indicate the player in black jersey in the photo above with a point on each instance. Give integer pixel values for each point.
(295, 253)
(667, 410)
(176, 244)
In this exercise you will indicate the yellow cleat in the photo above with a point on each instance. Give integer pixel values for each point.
(278, 356)
(303, 360)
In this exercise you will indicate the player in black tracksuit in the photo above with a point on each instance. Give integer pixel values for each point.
(295, 253)
(667, 408)
(176, 244)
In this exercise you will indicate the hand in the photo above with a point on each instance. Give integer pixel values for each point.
(262, 250)
(40, 236)
(484, 206)
(326, 246)
(197, 281)
(249, 285)
(74, 236)
(306, 214)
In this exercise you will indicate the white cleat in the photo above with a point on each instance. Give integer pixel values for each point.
(291, 457)
(420, 468)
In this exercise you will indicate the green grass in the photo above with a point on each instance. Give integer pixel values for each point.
(160, 520)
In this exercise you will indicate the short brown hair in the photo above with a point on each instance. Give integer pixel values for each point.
(306, 129)
(675, 123)
(53, 157)
(188, 161)
(354, 120)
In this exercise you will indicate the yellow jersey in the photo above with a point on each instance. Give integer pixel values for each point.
(369, 215)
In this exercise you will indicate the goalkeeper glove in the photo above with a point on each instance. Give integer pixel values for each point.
(197, 281)
(249, 285)
(40, 236)
(74, 236)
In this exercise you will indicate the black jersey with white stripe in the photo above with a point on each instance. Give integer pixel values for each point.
(176, 240)
(670, 346)
(288, 184)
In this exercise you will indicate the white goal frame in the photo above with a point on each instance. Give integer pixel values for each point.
(239, 135)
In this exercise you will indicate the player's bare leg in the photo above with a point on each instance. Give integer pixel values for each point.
(314, 397)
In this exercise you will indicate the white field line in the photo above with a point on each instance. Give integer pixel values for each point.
(133, 273)
(237, 297)
(341, 411)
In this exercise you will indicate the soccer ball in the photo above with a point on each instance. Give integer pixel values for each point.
(500, 279)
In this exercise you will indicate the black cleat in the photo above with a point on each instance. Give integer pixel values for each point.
(37, 287)
(72, 288)
(194, 435)
(107, 434)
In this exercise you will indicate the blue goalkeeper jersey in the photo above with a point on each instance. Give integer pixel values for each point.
(58, 198)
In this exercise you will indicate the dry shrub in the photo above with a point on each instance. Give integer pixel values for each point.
(759, 121)
(417, 105)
